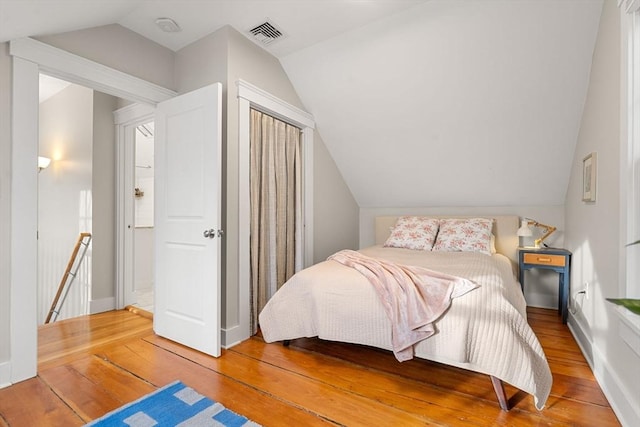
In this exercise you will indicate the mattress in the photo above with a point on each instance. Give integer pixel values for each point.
(484, 331)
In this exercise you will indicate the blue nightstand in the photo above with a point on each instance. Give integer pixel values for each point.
(558, 260)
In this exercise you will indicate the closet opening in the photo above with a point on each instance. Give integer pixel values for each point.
(276, 207)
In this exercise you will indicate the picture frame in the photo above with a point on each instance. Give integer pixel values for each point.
(589, 177)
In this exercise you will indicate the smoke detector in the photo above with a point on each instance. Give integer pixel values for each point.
(265, 33)
(168, 25)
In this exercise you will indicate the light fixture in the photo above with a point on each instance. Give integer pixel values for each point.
(525, 231)
(43, 163)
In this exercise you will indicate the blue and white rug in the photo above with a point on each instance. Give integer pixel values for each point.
(173, 405)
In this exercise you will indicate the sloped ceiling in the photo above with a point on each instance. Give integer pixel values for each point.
(454, 103)
(420, 103)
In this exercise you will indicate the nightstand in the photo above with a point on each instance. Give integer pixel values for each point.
(558, 260)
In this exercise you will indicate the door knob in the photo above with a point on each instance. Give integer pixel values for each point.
(211, 233)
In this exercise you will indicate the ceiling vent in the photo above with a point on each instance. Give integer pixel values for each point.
(168, 25)
(266, 33)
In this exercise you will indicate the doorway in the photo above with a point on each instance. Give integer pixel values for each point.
(135, 189)
(276, 207)
(75, 198)
(64, 197)
(252, 97)
(29, 57)
(143, 230)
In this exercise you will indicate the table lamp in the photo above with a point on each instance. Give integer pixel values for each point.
(525, 231)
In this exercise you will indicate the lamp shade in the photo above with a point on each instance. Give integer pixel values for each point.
(43, 162)
(524, 230)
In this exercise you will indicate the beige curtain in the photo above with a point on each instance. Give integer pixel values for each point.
(276, 220)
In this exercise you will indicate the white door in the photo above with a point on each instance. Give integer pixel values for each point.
(187, 219)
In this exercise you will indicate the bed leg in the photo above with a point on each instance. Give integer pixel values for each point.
(498, 387)
(286, 343)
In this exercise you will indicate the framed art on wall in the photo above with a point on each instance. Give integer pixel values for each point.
(589, 177)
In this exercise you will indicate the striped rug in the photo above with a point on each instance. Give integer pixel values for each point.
(173, 405)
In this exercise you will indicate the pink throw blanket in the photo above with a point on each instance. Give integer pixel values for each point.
(413, 297)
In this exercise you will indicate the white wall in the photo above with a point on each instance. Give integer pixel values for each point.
(335, 211)
(119, 48)
(104, 199)
(593, 229)
(5, 212)
(65, 198)
(144, 258)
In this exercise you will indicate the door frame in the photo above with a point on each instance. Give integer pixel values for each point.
(250, 96)
(29, 59)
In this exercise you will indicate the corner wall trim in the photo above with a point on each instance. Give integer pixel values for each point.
(276, 107)
(250, 96)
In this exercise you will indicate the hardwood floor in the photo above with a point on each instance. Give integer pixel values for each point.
(91, 365)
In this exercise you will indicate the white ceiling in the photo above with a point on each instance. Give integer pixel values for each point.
(304, 22)
(420, 103)
(49, 86)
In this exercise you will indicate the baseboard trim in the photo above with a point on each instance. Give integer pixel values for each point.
(608, 380)
(231, 336)
(582, 339)
(101, 305)
(5, 374)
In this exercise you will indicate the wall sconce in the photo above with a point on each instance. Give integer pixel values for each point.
(525, 231)
(43, 163)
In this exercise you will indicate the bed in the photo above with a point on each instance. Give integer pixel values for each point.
(484, 330)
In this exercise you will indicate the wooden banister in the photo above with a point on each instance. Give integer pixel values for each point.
(68, 273)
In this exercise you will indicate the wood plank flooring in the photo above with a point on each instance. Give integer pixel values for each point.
(91, 365)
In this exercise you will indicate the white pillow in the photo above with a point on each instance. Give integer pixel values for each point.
(464, 235)
(413, 232)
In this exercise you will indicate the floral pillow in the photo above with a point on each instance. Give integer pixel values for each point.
(413, 232)
(464, 235)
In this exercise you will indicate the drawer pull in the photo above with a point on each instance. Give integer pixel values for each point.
(544, 259)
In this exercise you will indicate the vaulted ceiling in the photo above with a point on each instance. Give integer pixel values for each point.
(454, 103)
(420, 103)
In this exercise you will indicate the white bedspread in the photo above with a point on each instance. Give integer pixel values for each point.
(414, 298)
(484, 331)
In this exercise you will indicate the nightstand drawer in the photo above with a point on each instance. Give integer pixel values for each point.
(545, 259)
